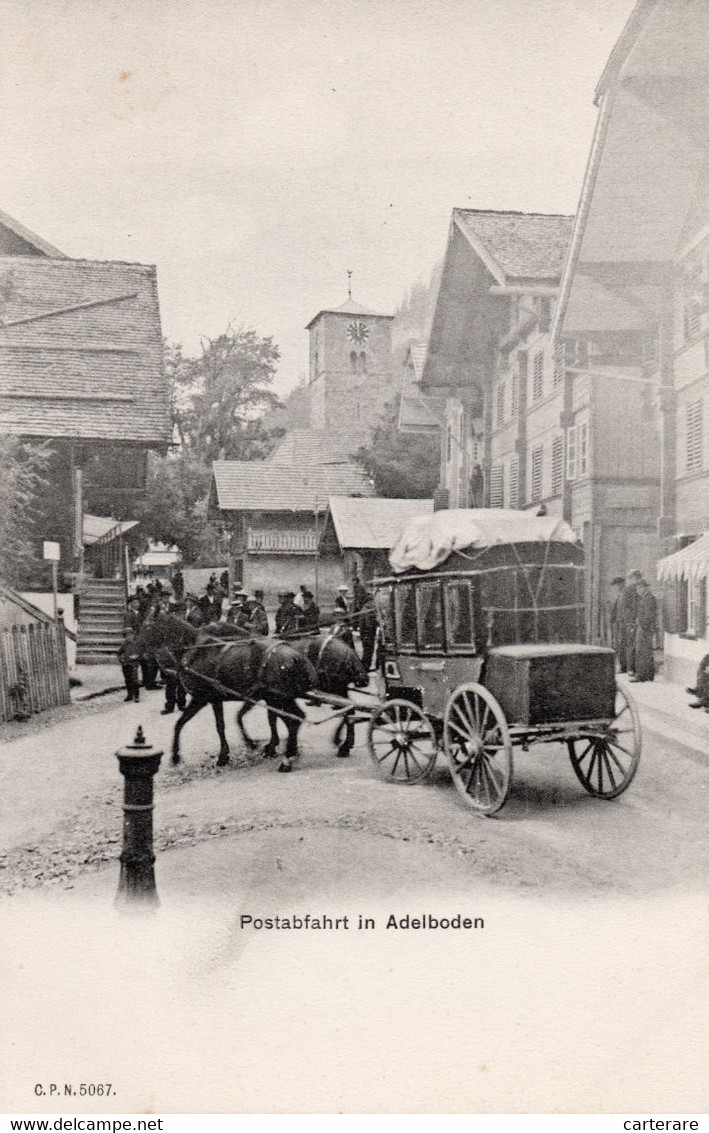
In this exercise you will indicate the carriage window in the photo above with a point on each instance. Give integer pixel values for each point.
(405, 602)
(459, 613)
(382, 601)
(430, 612)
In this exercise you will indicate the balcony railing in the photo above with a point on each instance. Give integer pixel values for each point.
(281, 542)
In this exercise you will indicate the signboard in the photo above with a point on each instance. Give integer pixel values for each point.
(51, 551)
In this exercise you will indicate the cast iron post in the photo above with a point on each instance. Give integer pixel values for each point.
(138, 763)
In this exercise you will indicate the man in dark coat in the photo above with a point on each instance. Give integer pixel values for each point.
(618, 584)
(287, 615)
(309, 621)
(368, 630)
(133, 618)
(701, 688)
(627, 616)
(256, 619)
(129, 658)
(646, 624)
(178, 584)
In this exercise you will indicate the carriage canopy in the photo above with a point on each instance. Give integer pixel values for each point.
(468, 580)
(428, 540)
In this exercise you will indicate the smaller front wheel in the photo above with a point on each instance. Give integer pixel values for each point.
(401, 742)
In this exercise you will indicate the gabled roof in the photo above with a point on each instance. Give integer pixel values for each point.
(96, 526)
(263, 486)
(349, 307)
(517, 245)
(418, 413)
(372, 524)
(645, 187)
(81, 351)
(16, 240)
(316, 446)
(415, 357)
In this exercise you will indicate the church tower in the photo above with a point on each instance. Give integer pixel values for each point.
(351, 376)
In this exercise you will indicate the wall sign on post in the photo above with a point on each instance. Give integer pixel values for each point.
(52, 553)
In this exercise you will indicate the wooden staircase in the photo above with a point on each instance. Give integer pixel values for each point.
(102, 609)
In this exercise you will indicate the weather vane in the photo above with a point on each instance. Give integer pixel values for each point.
(349, 284)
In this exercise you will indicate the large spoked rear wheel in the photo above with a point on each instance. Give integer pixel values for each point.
(478, 748)
(401, 742)
(606, 765)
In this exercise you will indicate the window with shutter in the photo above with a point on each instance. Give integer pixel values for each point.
(559, 363)
(537, 469)
(497, 486)
(544, 315)
(571, 453)
(501, 404)
(514, 395)
(557, 466)
(694, 437)
(514, 482)
(582, 455)
(538, 376)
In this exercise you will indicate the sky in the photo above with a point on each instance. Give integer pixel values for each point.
(255, 150)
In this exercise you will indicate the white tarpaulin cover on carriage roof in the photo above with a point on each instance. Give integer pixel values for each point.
(428, 540)
(689, 565)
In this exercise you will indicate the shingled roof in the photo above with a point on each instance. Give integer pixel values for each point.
(317, 446)
(249, 485)
(81, 351)
(373, 524)
(521, 245)
(349, 307)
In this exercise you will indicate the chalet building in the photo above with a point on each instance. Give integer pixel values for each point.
(81, 367)
(273, 513)
(417, 412)
(363, 531)
(491, 357)
(634, 315)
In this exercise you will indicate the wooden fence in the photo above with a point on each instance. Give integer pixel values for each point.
(33, 669)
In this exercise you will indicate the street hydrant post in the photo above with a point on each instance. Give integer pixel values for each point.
(138, 763)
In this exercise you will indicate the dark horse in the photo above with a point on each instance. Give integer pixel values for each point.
(337, 667)
(214, 666)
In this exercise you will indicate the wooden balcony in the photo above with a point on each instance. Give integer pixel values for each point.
(276, 542)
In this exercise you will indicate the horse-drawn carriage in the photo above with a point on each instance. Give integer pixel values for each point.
(483, 623)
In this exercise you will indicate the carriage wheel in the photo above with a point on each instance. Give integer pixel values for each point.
(478, 748)
(606, 765)
(401, 742)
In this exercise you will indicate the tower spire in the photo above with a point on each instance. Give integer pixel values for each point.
(349, 284)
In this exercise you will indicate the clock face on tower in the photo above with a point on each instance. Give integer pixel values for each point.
(358, 332)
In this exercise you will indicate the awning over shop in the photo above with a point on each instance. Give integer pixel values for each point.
(688, 565)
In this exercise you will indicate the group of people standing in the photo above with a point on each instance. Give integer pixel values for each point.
(633, 625)
(297, 614)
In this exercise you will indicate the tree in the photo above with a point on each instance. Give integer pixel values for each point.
(23, 469)
(217, 398)
(402, 465)
(174, 510)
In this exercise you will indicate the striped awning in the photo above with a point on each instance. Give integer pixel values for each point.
(689, 565)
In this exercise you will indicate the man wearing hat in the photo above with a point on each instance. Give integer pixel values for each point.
(256, 617)
(237, 614)
(341, 620)
(627, 617)
(287, 615)
(309, 621)
(645, 626)
(617, 584)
